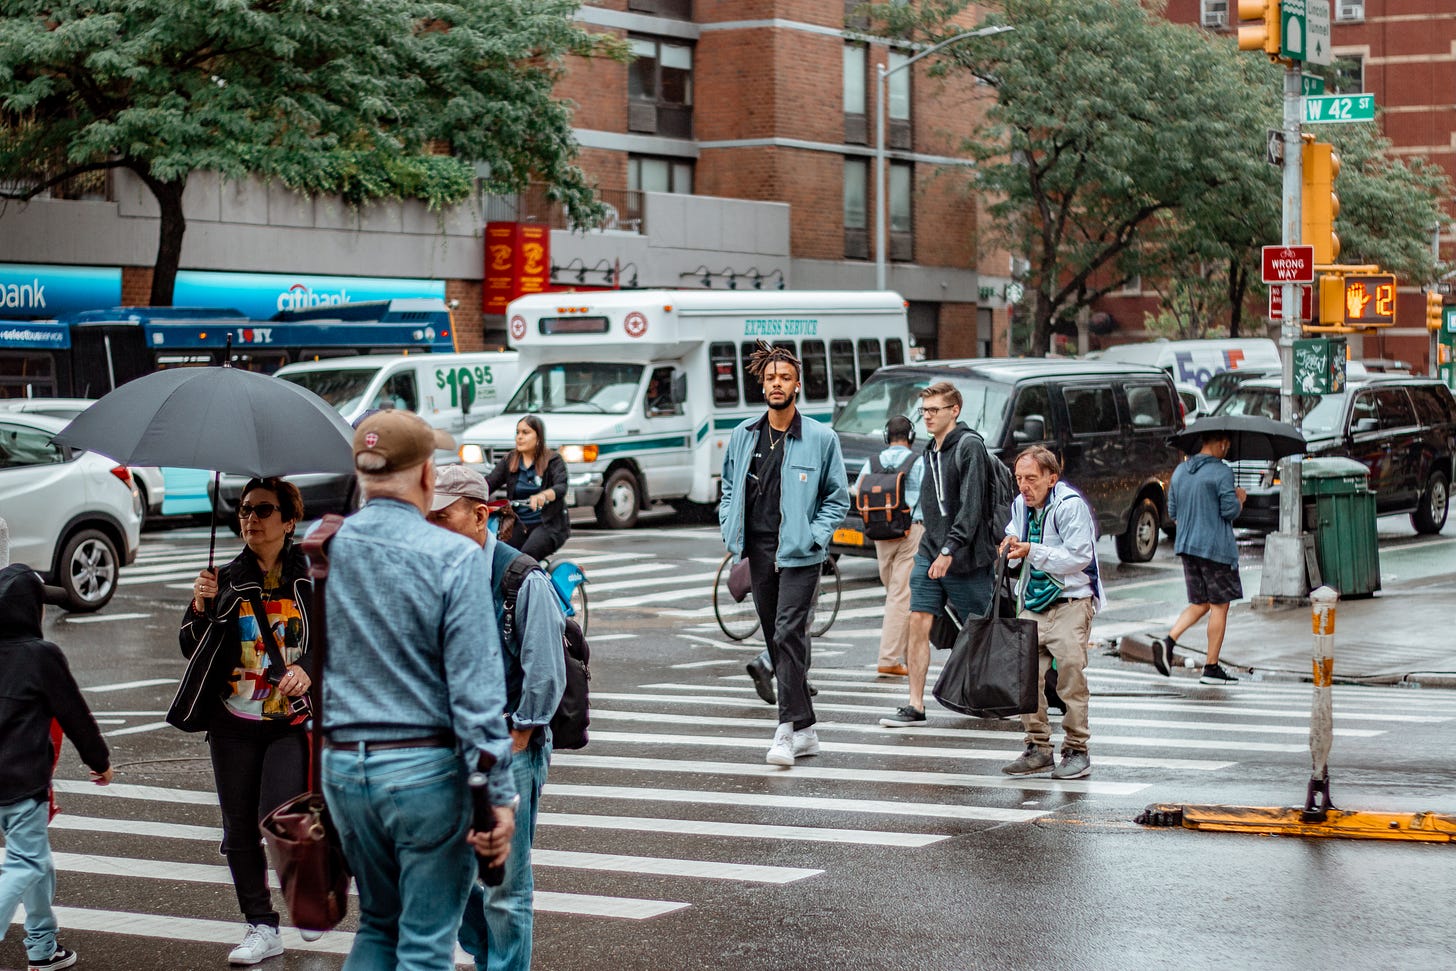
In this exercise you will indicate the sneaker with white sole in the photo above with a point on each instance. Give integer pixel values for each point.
(1075, 764)
(806, 743)
(1163, 655)
(259, 943)
(1031, 762)
(309, 935)
(906, 716)
(1215, 674)
(781, 752)
(60, 958)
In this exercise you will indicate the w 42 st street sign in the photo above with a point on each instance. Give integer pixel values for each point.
(1338, 109)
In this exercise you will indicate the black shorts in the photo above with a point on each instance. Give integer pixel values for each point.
(1210, 582)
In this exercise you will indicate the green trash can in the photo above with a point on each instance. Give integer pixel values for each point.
(1347, 545)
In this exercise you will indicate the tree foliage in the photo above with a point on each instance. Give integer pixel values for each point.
(366, 99)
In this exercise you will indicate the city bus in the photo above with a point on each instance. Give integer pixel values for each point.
(640, 390)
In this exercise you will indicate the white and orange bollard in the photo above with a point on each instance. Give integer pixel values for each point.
(1321, 715)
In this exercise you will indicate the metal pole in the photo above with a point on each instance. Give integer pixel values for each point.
(880, 243)
(1321, 716)
(1434, 368)
(1293, 172)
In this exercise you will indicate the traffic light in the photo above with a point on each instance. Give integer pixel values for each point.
(1434, 303)
(1320, 205)
(1261, 36)
(1331, 299)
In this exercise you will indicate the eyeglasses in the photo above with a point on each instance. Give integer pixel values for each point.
(262, 510)
(931, 411)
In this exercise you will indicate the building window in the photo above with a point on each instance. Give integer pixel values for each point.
(647, 173)
(897, 107)
(660, 88)
(1215, 13)
(1349, 10)
(678, 9)
(1345, 75)
(856, 69)
(901, 199)
(856, 204)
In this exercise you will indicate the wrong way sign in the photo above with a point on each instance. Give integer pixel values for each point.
(1288, 264)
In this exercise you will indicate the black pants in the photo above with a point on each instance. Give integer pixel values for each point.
(257, 766)
(538, 541)
(783, 599)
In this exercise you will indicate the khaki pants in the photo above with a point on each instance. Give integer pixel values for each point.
(897, 558)
(1063, 633)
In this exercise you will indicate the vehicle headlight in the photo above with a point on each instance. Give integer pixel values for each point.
(578, 453)
(472, 454)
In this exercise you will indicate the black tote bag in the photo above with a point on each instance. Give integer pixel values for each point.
(991, 671)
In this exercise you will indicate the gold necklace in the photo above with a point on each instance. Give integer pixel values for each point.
(773, 444)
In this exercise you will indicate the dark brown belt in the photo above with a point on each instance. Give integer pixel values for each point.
(437, 740)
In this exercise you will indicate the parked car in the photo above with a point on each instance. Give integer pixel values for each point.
(74, 516)
(1403, 428)
(1108, 422)
(1195, 405)
(148, 478)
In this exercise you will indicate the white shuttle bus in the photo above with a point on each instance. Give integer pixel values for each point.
(639, 390)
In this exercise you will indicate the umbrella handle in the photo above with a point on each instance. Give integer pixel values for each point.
(212, 538)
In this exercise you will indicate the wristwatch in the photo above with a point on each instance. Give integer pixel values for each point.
(515, 803)
(945, 551)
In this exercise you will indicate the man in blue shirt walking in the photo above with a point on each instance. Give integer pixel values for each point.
(414, 694)
(896, 557)
(498, 920)
(1204, 502)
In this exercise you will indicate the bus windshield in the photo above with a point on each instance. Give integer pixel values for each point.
(578, 387)
(344, 389)
(897, 392)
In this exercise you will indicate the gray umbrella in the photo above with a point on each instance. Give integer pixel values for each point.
(223, 419)
(1251, 437)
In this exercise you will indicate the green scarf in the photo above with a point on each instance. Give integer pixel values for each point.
(1041, 588)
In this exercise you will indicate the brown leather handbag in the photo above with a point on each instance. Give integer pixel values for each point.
(302, 842)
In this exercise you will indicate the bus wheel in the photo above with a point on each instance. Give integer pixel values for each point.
(617, 509)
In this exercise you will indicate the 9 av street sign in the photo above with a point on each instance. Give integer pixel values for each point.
(1288, 264)
(1327, 109)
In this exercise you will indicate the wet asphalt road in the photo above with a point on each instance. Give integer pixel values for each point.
(889, 850)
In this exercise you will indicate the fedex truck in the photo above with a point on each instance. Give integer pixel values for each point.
(640, 390)
(1195, 362)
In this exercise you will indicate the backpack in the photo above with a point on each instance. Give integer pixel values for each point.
(573, 714)
(1000, 490)
(881, 499)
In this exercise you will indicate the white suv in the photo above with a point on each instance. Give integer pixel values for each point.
(74, 516)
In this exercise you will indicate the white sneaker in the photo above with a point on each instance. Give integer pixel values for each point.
(308, 935)
(781, 752)
(806, 743)
(260, 943)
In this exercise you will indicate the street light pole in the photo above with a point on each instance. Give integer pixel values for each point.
(881, 83)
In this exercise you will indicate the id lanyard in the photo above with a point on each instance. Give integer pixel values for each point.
(936, 479)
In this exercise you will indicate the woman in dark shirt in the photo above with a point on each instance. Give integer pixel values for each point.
(537, 475)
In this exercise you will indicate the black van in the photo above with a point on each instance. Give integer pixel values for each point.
(1109, 424)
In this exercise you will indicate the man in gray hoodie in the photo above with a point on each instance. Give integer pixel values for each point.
(1204, 502)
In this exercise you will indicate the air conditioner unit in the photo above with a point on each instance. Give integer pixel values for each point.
(1351, 10)
(1215, 13)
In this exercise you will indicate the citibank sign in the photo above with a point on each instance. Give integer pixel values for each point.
(261, 295)
(301, 297)
(44, 290)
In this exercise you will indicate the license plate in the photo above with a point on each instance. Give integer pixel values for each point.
(849, 537)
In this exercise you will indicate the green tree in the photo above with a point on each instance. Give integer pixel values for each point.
(405, 99)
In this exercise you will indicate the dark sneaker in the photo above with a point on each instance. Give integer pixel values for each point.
(1163, 656)
(763, 680)
(60, 958)
(1215, 674)
(1074, 765)
(1031, 762)
(904, 717)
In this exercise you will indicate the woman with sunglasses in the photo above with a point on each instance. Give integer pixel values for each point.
(250, 617)
(534, 478)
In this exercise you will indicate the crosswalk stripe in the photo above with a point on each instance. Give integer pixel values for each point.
(767, 800)
(845, 774)
(900, 751)
(708, 827)
(592, 905)
(128, 580)
(705, 590)
(168, 928)
(123, 790)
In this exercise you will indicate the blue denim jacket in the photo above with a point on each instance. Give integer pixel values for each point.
(815, 491)
(534, 658)
(413, 646)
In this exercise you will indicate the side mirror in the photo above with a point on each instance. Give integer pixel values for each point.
(1033, 429)
(679, 388)
(467, 396)
(1363, 425)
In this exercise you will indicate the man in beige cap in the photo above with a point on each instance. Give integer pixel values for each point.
(498, 920)
(415, 689)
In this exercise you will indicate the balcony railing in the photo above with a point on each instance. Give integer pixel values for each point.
(625, 209)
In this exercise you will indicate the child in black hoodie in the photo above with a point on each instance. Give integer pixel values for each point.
(37, 688)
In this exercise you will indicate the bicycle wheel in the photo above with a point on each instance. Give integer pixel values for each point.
(578, 605)
(826, 599)
(738, 620)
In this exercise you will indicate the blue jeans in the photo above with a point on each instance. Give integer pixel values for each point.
(403, 815)
(496, 930)
(29, 875)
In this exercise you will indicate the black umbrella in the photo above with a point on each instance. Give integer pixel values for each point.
(1251, 437)
(223, 419)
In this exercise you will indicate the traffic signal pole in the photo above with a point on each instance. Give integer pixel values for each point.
(1289, 325)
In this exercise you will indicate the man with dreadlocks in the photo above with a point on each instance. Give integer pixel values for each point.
(784, 493)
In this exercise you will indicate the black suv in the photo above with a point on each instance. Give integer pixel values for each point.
(1108, 423)
(1402, 428)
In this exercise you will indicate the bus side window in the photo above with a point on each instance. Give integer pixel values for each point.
(894, 351)
(723, 374)
(752, 387)
(658, 402)
(869, 358)
(398, 392)
(841, 366)
(816, 371)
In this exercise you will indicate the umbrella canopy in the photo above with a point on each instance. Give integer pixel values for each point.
(220, 418)
(1251, 437)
